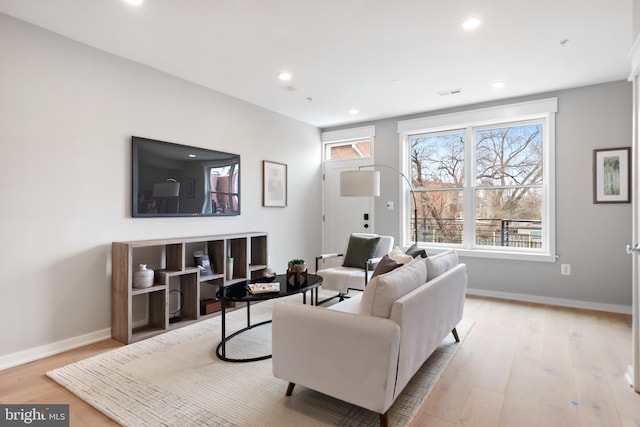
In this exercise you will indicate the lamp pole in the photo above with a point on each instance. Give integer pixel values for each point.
(413, 194)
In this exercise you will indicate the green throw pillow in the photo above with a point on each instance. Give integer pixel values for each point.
(359, 250)
(414, 251)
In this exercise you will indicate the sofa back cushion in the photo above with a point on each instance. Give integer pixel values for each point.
(383, 290)
(438, 264)
(398, 255)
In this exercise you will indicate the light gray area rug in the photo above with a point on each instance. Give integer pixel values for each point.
(175, 379)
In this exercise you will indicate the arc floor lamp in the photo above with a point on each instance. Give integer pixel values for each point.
(366, 183)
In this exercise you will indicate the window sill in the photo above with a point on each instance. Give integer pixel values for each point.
(496, 254)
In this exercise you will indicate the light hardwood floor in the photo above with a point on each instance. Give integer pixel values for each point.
(535, 365)
(521, 365)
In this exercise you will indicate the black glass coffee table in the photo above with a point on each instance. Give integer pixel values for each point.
(239, 293)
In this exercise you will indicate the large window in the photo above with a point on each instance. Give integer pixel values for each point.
(484, 186)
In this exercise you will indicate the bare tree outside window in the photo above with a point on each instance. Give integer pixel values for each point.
(506, 189)
(437, 177)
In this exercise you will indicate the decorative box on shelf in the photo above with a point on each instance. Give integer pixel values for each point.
(208, 306)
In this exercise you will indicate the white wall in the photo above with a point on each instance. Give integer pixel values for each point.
(590, 237)
(67, 112)
(635, 20)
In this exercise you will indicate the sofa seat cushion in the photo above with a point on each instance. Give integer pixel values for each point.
(349, 305)
(438, 264)
(381, 292)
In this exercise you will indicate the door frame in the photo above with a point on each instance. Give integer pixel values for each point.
(633, 374)
(345, 135)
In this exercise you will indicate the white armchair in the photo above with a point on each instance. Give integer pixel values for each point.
(356, 263)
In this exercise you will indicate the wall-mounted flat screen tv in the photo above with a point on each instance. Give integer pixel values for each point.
(178, 180)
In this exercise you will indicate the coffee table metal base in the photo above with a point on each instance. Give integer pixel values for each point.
(238, 293)
(220, 351)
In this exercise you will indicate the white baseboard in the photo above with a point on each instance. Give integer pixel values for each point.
(42, 351)
(611, 308)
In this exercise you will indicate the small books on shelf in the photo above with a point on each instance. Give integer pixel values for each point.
(203, 264)
(263, 288)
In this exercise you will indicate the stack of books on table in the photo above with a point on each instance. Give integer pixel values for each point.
(263, 288)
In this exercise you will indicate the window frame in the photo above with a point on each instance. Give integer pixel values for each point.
(542, 111)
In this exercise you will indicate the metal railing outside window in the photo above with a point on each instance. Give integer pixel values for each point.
(515, 233)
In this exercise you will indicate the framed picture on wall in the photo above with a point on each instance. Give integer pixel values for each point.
(274, 184)
(612, 175)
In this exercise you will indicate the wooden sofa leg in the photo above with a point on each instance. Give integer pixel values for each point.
(455, 334)
(290, 389)
(384, 420)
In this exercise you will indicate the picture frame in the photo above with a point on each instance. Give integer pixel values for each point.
(191, 188)
(274, 184)
(612, 175)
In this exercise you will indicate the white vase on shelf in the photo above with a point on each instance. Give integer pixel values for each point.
(142, 277)
(229, 275)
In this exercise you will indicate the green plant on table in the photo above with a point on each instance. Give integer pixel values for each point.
(297, 265)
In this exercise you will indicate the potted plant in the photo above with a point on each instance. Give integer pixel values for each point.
(297, 265)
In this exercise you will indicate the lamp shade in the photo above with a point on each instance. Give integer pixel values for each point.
(360, 183)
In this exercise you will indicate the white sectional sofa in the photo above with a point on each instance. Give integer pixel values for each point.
(364, 350)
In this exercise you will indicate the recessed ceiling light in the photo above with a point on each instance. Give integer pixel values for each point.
(192, 156)
(471, 23)
(284, 76)
(353, 111)
(134, 2)
(497, 85)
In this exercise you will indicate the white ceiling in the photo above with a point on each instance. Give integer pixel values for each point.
(383, 57)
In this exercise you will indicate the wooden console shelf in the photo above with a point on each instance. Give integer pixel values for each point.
(178, 288)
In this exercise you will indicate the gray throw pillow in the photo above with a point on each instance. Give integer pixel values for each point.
(414, 251)
(359, 250)
(385, 265)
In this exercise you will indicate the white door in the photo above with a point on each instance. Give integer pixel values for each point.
(343, 215)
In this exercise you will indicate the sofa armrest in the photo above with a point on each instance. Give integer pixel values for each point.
(348, 356)
(439, 303)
